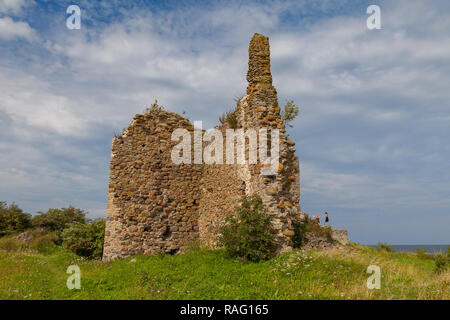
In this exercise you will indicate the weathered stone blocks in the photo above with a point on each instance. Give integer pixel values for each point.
(156, 206)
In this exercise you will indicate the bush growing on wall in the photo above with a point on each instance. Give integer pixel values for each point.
(13, 219)
(85, 240)
(249, 233)
(230, 118)
(289, 113)
(154, 108)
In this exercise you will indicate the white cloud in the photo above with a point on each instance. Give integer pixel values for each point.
(14, 6)
(30, 102)
(10, 29)
(373, 127)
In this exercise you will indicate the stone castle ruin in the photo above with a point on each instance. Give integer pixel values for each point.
(155, 205)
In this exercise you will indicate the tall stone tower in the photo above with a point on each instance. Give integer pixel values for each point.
(258, 109)
(157, 206)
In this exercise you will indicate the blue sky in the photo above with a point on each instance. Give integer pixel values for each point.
(372, 135)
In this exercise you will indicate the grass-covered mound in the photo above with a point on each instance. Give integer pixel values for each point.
(206, 274)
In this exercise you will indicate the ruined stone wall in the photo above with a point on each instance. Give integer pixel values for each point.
(222, 188)
(152, 202)
(281, 192)
(227, 183)
(155, 205)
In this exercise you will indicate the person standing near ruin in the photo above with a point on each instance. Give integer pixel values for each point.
(326, 218)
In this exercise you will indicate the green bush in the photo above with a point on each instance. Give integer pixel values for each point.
(249, 234)
(44, 243)
(290, 112)
(85, 240)
(447, 252)
(58, 219)
(13, 219)
(382, 246)
(423, 254)
(299, 238)
(441, 262)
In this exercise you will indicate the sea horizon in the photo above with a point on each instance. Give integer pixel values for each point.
(430, 248)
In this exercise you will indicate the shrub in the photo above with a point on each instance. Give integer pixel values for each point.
(44, 243)
(382, 246)
(299, 238)
(85, 240)
(440, 262)
(155, 108)
(289, 113)
(13, 219)
(447, 252)
(423, 254)
(249, 234)
(58, 219)
(229, 118)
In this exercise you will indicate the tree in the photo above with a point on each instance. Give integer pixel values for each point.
(13, 219)
(58, 219)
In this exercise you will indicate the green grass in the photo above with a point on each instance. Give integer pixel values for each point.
(208, 274)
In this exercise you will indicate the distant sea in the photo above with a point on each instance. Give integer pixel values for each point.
(431, 248)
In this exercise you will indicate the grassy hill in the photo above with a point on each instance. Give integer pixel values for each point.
(207, 274)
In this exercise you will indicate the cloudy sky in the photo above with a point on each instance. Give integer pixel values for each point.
(374, 126)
